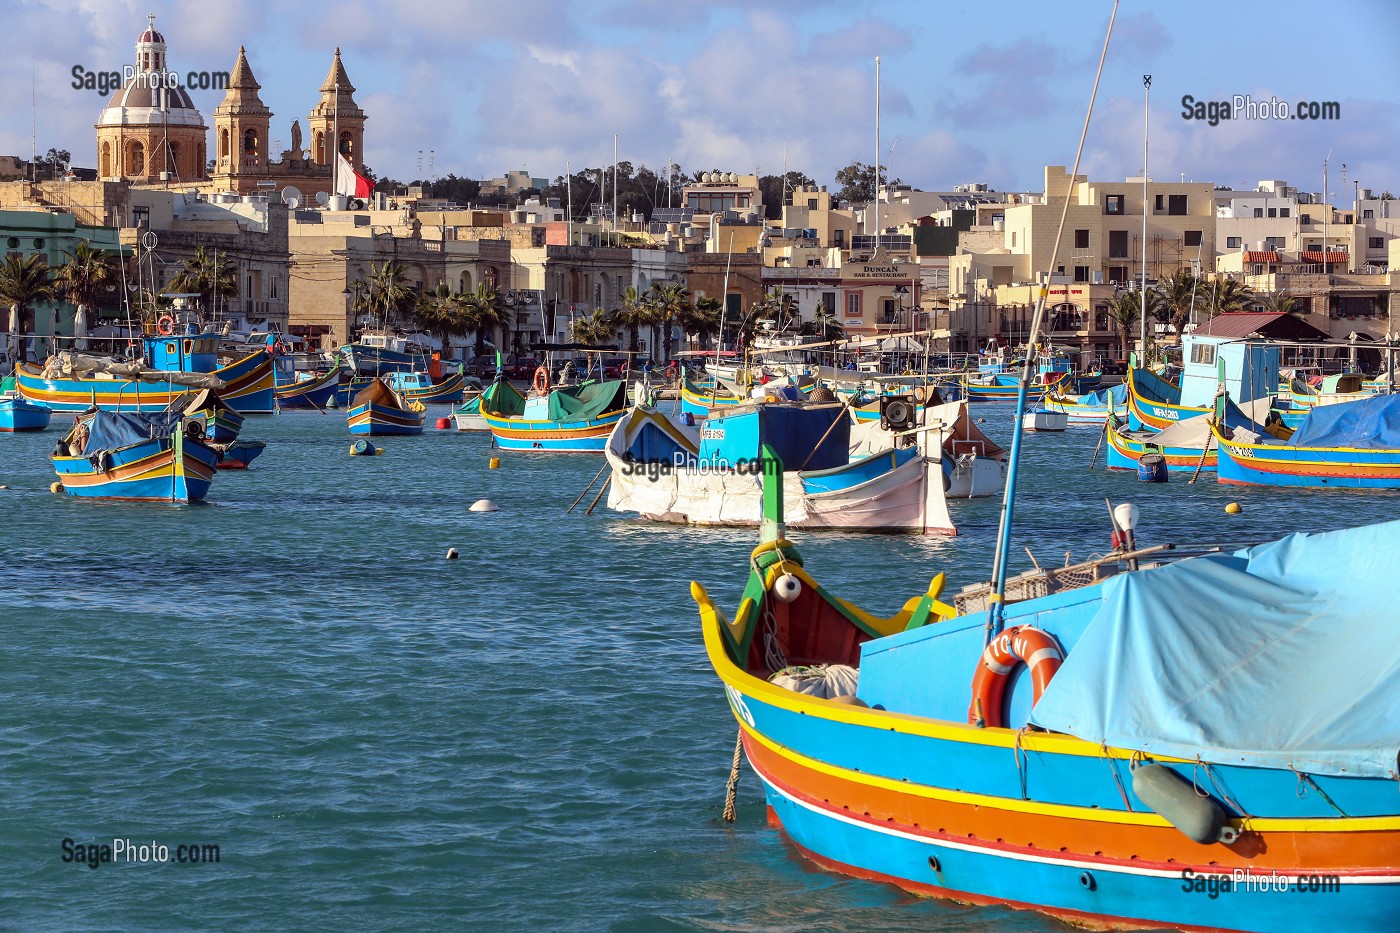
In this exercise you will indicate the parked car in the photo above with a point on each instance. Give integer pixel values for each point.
(523, 368)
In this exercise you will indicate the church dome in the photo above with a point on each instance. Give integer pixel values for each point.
(152, 95)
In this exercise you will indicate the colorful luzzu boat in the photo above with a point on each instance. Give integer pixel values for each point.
(469, 418)
(569, 419)
(172, 365)
(419, 387)
(697, 398)
(1354, 445)
(1090, 407)
(238, 454)
(1154, 403)
(1185, 446)
(131, 455)
(1115, 756)
(315, 391)
(377, 410)
(1002, 387)
(17, 413)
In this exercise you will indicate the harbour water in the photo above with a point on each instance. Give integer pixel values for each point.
(528, 738)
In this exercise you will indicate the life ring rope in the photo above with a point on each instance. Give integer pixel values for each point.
(541, 382)
(165, 325)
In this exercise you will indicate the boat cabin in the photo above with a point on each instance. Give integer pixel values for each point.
(1250, 369)
(805, 436)
(409, 382)
(183, 353)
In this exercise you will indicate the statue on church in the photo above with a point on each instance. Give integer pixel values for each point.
(296, 139)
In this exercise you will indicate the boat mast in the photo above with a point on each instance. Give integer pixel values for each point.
(1142, 294)
(997, 599)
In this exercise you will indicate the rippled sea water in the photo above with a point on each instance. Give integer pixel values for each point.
(528, 738)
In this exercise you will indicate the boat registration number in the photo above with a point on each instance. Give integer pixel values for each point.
(713, 434)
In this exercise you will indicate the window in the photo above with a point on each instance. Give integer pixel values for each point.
(1375, 242)
(811, 204)
(136, 159)
(1258, 212)
(1203, 353)
(1081, 239)
(1101, 317)
(838, 238)
(853, 304)
(1113, 204)
(1347, 220)
(1368, 215)
(829, 302)
(1305, 218)
(1117, 244)
(1232, 242)
(1283, 212)
(1157, 203)
(141, 218)
(1273, 212)
(250, 142)
(1176, 205)
(1081, 273)
(1117, 274)
(1273, 242)
(1192, 238)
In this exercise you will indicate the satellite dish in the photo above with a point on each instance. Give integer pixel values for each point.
(292, 203)
(322, 198)
(291, 196)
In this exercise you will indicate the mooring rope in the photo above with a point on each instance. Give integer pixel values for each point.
(731, 790)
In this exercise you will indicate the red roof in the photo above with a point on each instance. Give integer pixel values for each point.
(1261, 324)
(1267, 255)
(1315, 255)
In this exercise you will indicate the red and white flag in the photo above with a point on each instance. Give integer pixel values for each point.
(349, 183)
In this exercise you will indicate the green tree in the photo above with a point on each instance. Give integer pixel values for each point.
(858, 182)
(440, 313)
(1126, 311)
(1228, 295)
(388, 296)
(484, 313)
(593, 330)
(210, 276)
(701, 320)
(83, 280)
(672, 301)
(633, 314)
(1280, 302)
(24, 282)
(823, 324)
(1181, 293)
(773, 186)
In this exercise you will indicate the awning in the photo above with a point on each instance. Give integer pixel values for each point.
(1315, 255)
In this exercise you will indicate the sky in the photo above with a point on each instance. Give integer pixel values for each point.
(987, 92)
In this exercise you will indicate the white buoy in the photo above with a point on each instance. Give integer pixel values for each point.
(787, 588)
(484, 505)
(452, 553)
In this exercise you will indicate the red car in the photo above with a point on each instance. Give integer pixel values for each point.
(521, 369)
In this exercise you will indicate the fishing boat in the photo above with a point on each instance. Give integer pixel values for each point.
(377, 353)
(238, 454)
(699, 396)
(308, 390)
(1185, 446)
(997, 378)
(1354, 445)
(378, 410)
(419, 387)
(567, 419)
(170, 365)
(1088, 407)
(469, 418)
(1247, 370)
(222, 423)
(155, 457)
(665, 470)
(18, 413)
(1208, 795)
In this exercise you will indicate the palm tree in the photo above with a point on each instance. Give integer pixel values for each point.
(83, 279)
(208, 275)
(1229, 295)
(633, 314)
(1281, 302)
(1126, 311)
(823, 324)
(24, 283)
(388, 294)
(592, 330)
(673, 301)
(1178, 293)
(440, 313)
(701, 320)
(483, 313)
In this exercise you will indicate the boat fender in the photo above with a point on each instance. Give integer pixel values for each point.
(55, 487)
(362, 448)
(787, 588)
(1177, 800)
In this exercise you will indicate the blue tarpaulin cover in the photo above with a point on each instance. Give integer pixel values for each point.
(1100, 398)
(1370, 423)
(1282, 655)
(111, 430)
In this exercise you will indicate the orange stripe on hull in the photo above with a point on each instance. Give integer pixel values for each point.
(1060, 837)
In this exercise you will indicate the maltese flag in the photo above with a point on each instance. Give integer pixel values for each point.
(349, 183)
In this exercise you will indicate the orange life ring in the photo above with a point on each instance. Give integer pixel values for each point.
(1019, 644)
(542, 380)
(165, 325)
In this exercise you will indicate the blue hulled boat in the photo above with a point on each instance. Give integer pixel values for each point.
(18, 413)
(569, 419)
(378, 410)
(158, 457)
